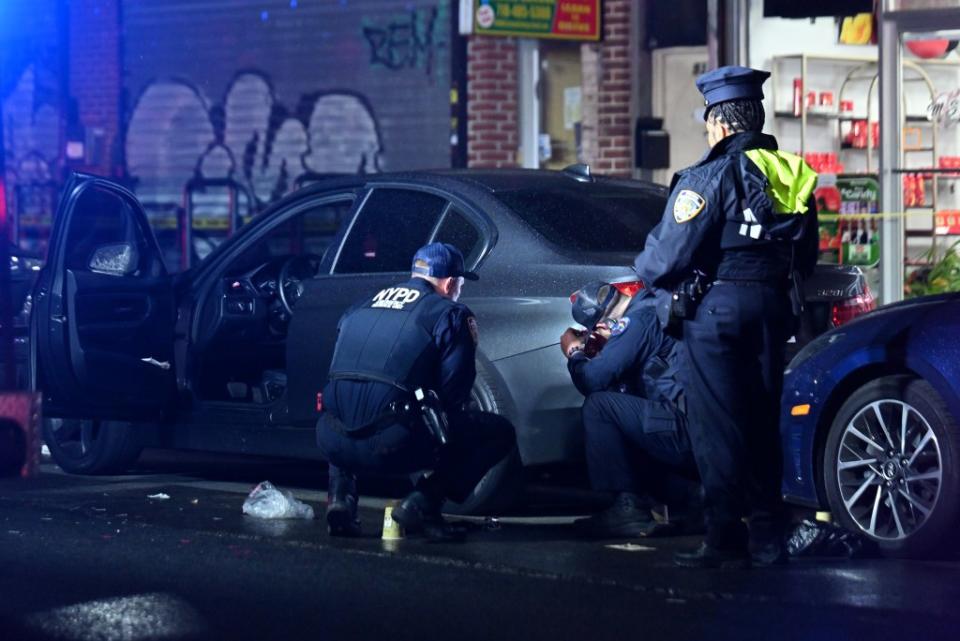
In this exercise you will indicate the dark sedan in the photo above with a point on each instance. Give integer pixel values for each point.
(870, 425)
(232, 354)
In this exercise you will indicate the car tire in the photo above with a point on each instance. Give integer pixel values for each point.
(921, 481)
(89, 446)
(502, 486)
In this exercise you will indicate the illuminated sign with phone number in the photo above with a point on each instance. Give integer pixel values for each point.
(560, 19)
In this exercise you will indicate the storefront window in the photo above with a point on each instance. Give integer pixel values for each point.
(929, 162)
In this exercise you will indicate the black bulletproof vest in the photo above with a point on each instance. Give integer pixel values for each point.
(389, 338)
(760, 248)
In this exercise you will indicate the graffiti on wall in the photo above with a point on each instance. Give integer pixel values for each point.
(405, 43)
(175, 134)
(31, 123)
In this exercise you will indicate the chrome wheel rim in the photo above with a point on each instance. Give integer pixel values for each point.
(889, 469)
(75, 438)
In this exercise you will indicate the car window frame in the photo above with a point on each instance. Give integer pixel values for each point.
(451, 206)
(213, 267)
(480, 220)
(359, 210)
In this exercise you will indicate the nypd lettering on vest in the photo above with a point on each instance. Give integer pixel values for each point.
(395, 298)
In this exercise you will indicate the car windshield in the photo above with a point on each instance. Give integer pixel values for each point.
(600, 219)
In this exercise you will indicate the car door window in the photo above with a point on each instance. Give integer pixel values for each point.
(392, 225)
(310, 231)
(104, 220)
(457, 230)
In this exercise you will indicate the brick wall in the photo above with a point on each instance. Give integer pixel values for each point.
(492, 102)
(95, 80)
(607, 130)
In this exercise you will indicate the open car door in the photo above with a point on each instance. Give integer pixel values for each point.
(104, 310)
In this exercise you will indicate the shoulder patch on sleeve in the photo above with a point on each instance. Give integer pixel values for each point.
(620, 326)
(472, 326)
(687, 205)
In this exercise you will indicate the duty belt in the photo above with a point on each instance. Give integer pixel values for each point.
(749, 282)
(397, 412)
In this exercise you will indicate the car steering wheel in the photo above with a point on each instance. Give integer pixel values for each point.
(289, 282)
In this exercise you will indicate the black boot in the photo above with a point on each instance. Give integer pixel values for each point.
(708, 556)
(768, 538)
(342, 499)
(725, 547)
(419, 513)
(692, 518)
(628, 517)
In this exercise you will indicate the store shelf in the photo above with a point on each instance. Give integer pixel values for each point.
(925, 150)
(854, 79)
(946, 172)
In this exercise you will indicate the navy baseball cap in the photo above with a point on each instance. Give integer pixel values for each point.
(440, 260)
(731, 83)
(591, 302)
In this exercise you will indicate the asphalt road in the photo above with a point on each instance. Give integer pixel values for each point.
(96, 558)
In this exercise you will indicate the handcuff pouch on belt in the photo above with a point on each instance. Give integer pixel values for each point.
(682, 303)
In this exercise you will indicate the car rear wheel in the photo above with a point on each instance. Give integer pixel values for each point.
(890, 466)
(90, 446)
(502, 486)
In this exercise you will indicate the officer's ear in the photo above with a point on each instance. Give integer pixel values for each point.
(446, 286)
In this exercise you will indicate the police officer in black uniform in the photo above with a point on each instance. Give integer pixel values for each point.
(744, 219)
(412, 336)
(635, 432)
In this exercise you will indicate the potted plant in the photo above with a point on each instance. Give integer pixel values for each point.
(943, 274)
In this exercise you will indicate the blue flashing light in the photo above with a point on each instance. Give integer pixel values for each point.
(264, 16)
(293, 4)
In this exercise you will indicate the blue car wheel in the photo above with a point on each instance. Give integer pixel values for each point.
(890, 466)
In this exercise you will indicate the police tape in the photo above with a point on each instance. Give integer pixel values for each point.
(886, 215)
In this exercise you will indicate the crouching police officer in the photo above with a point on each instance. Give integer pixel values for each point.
(744, 219)
(414, 336)
(636, 440)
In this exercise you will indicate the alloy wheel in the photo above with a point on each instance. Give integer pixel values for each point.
(889, 469)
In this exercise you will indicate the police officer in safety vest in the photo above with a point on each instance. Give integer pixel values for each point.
(738, 235)
(413, 336)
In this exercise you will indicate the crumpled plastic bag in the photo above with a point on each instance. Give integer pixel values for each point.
(817, 538)
(266, 501)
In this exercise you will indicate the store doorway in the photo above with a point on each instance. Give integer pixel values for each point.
(561, 79)
(677, 100)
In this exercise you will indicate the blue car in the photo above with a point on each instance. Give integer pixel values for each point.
(869, 425)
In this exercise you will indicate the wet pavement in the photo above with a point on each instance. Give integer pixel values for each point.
(96, 558)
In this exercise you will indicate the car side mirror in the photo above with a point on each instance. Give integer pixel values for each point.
(120, 259)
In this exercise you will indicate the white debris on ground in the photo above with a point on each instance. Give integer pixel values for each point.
(159, 496)
(266, 501)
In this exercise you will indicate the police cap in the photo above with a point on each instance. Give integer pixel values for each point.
(440, 260)
(591, 302)
(730, 83)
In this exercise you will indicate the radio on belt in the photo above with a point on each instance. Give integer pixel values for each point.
(433, 415)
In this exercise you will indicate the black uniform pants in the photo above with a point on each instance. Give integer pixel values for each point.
(636, 445)
(477, 441)
(733, 379)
